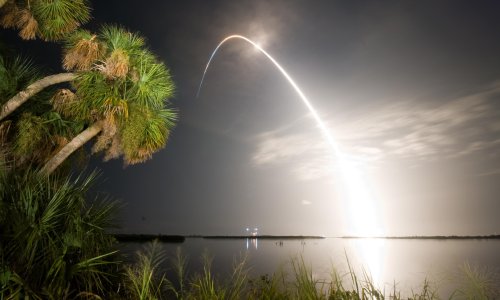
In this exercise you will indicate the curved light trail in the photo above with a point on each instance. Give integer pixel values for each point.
(363, 219)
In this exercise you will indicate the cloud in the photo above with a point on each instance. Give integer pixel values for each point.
(307, 155)
(489, 173)
(273, 147)
(411, 130)
(408, 130)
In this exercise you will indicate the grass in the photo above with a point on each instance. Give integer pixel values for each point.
(293, 281)
(477, 283)
(142, 279)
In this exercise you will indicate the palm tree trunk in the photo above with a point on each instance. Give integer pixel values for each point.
(70, 147)
(31, 90)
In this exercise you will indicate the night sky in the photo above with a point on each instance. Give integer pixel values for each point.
(409, 89)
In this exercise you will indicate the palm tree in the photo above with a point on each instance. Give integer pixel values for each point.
(119, 92)
(121, 95)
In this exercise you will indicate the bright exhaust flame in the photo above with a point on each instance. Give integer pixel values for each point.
(363, 219)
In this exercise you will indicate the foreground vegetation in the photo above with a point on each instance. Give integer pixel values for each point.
(112, 93)
(147, 279)
(55, 245)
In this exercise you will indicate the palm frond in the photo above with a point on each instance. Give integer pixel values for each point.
(116, 65)
(9, 15)
(93, 90)
(36, 137)
(116, 37)
(114, 150)
(28, 25)
(57, 18)
(55, 240)
(81, 50)
(18, 73)
(30, 133)
(5, 128)
(62, 102)
(104, 140)
(145, 133)
(152, 83)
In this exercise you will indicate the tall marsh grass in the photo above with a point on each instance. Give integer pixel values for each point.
(293, 281)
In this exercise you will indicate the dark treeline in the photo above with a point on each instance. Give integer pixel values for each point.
(431, 237)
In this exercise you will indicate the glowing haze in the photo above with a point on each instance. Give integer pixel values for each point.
(363, 219)
(409, 91)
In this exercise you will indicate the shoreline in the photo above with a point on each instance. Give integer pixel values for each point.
(124, 237)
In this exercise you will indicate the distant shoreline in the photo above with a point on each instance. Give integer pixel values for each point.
(122, 237)
(264, 237)
(428, 237)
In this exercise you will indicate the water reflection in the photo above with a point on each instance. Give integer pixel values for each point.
(253, 242)
(371, 256)
(364, 254)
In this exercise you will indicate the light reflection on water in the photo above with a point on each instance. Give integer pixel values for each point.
(370, 252)
(254, 242)
(405, 263)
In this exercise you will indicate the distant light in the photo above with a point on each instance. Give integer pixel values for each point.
(256, 229)
(363, 217)
(248, 229)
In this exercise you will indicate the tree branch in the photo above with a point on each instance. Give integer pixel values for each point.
(71, 147)
(31, 90)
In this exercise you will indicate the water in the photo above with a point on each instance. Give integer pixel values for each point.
(406, 262)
